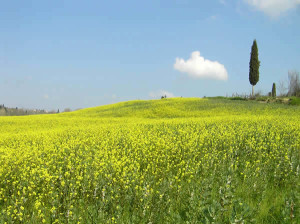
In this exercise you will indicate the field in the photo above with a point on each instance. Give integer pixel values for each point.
(181, 160)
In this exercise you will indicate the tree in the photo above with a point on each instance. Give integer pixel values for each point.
(67, 110)
(254, 66)
(294, 83)
(282, 88)
(274, 90)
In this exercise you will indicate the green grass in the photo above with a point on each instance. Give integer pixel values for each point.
(182, 108)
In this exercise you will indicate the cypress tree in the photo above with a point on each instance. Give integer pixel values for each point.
(254, 66)
(274, 90)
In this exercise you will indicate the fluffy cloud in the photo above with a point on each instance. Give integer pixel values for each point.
(273, 8)
(159, 93)
(199, 67)
(222, 2)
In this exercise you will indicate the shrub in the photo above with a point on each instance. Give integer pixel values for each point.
(295, 101)
(238, 98)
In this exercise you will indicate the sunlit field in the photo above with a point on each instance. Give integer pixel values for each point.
(161, 161)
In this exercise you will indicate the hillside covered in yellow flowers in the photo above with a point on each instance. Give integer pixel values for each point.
(180, 160)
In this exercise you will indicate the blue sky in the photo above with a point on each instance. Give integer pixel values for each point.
(77, 54)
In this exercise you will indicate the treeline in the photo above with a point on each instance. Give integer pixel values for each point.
(290, 87)
(6, 111)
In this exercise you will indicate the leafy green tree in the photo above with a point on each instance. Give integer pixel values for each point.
(274, 90)
(254, 66)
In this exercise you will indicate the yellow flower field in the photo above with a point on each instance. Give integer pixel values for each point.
(162, 161)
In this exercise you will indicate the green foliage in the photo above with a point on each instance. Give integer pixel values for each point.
(216, 98)
(6, 111)
(294, 101)
(237, 98)
(254, 65)
(274, 90)
(262, 98)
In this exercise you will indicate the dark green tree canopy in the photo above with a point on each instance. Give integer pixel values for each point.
(274, 90)
(254, 65)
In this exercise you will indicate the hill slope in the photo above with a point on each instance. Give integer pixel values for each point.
(201, 160)
(185, 107)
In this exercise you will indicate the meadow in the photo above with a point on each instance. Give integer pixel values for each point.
(181, 160)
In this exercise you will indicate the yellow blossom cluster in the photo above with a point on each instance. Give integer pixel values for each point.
(165, 161)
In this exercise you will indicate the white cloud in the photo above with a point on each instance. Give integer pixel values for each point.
(273, 8)
(199, 67)
(159, 93)
(46, 96)
(222, 2)
(213, 17)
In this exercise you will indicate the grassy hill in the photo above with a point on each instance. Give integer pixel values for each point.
(185, 107)
(179, 160)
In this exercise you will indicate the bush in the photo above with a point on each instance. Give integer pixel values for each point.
(295, 101)
(262, 98)
(238, 98)
(217, 97)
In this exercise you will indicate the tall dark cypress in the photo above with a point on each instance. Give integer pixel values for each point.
(254, 66)
(274, 90)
